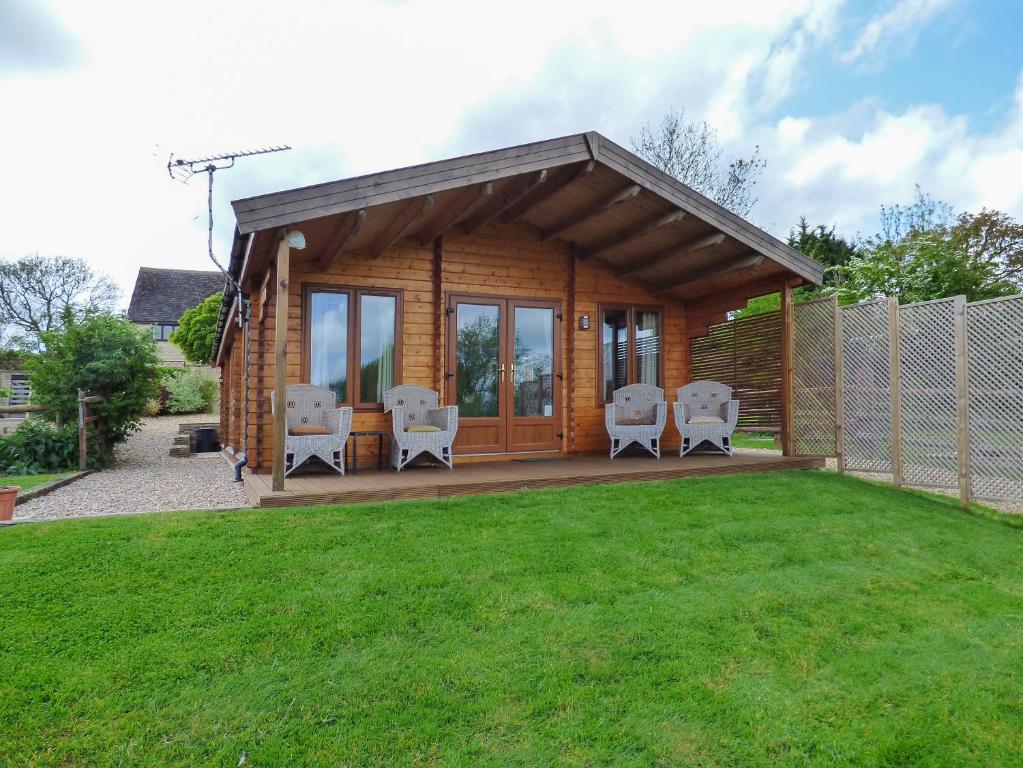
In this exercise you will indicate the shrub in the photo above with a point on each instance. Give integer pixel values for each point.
(101, 355)
(185, 390)
(38, 446)
(196, 329)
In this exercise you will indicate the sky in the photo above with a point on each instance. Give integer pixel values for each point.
(851, 103)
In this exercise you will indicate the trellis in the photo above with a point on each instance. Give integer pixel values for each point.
(930, 393)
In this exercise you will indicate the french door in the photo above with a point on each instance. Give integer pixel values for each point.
(504, 373)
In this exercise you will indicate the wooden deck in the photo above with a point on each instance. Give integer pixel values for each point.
(502, 477)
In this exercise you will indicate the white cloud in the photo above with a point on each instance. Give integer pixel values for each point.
(899, 23)
(367, 86)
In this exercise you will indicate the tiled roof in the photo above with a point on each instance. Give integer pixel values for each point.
(163, 295)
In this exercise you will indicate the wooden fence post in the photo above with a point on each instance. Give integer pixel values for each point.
(839, 388)
(962, 400)
(83, 432)
(895, 362)
(788, 445)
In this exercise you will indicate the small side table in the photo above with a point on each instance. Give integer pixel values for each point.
(353, 438)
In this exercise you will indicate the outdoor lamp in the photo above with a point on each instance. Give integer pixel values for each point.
(584, 323)
(296, 240)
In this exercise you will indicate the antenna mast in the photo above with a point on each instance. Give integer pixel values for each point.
(180, 169)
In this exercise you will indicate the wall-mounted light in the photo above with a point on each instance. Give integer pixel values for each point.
(584, 323)
(296, 240)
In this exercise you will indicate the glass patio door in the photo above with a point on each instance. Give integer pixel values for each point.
(503, 374)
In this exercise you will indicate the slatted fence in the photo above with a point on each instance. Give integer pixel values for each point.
(745, 354)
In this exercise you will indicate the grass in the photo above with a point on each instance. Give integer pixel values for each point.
(753, 440)
(30, 481)
(794, 619)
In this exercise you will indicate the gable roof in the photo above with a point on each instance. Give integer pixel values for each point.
(163, 295)
(279, 209)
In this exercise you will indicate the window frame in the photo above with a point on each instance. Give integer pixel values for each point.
(163, 334)
(354, 341)
(630, 363)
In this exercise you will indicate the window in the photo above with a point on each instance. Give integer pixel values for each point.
(630, 348)
(163, 332)
(353, 344)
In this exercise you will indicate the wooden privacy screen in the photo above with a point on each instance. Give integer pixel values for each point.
(930, 393)
(995, 386)
(813, 377)
(745, 354)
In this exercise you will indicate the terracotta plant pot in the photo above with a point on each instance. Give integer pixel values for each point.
(8, 494)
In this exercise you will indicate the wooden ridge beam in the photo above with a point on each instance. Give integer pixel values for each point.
(633, 233)
(456, 210)
(588, 214)
(351, 223)
(669, 253)
(560, 179)
(410, 213)
(714, 270)
(514, 192)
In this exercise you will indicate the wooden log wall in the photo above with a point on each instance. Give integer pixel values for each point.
(746, 355)
(496, 260)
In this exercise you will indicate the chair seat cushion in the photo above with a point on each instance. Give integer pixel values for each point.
(307, 430)
(639, 421)
(422, 428)
(706, 420)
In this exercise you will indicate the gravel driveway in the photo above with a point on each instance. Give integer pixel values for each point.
(145, 479)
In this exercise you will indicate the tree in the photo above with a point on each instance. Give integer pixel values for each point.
(100, 355)
(38, 292)
(692, 154)
(822, 245)
(196, 330)
(923, 252)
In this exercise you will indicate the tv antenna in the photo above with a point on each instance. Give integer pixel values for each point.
(180, 169)
(183, 170)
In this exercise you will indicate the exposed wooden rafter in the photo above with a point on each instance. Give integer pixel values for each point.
(670, 253)
(714, 270)
(559, 179)
(588, 214)
(409, 214)
(515, 191)
(458, 209)
(351, 223)
(633, 233)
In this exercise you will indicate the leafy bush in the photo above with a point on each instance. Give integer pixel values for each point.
(101, 355)
(185, 388)
(196, 329)
(38, 447)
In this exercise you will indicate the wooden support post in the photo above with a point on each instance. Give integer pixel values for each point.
(281, 360)
(839, 388)
(438, 318)
(83, 432)
(788, 444)
(895, 357)
(962, 401)
(571, 327)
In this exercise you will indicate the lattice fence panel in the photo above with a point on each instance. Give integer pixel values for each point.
(813, 377)
(866, 394)
(927, 350)
(995, 368)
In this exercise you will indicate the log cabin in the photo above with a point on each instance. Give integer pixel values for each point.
(523, 284)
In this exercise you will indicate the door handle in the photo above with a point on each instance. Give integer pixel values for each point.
(502, 373)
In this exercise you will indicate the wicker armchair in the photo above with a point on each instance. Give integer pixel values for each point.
(637, 415)
(419, 425)
(315, 427)
(706, 413)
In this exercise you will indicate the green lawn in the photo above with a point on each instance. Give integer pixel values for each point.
(788, 619)
(751, 440)
(30, 481)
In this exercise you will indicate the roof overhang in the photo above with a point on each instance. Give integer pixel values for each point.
(610, 204)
